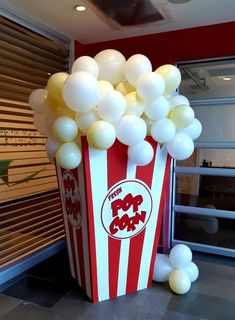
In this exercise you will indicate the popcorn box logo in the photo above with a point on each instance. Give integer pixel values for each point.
(72, 199)
(126, 209)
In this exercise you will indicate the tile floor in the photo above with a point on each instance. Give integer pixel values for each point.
(47, 292)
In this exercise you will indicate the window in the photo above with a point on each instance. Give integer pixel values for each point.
(204, 185)
(30, 212)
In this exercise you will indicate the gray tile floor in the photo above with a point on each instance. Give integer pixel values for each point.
(55, 296)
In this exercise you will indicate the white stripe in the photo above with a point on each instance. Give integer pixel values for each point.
(84, 230)
(98, 168)
(71, 262)
(156, 190)
(75, 240)
(125, 243)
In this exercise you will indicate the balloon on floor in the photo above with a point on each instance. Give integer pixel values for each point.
(177, 268)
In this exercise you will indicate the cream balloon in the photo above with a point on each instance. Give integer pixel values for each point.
(68, 156)
(179, 281)
(63, 110)
(180, 147)
(134, 105)
(136, 66)
(163, 130)
(111, 65)
(141, 153)
(162, 268)
(111, 106)
(38, 100)
(192, 271)
(51, 147)
(171, 76)
(81, 91)
(157, 109)
(180, 256)
(131, 130)
(105, 87)
(124, 87)
(178, 100)
(39, 120)
(65, 129)
(182, 116)
(193, 130)
(150, 86)
(55, 86)
(85, 120)
(87, 64)
(101, 135)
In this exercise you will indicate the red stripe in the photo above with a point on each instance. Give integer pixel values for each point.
(81, 258)
(73, 249)
(67, 234)
(79, 240)
(90, 220)
(160, 214)
(165, 233)
(117, 166)
(145, 174)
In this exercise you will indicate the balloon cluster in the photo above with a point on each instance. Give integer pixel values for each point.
(109, 97)
(178, 268)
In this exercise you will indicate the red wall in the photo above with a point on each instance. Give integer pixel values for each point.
(174, 46)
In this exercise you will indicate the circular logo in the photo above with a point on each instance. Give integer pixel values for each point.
(71, 199)
(126, 209)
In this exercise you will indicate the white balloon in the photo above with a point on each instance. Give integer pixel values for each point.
(51, 148)
(157, 109)
(192, 271)
(193, 130)
(131, 130)
(162, 268)
(68, 156)
(87, 64)
(111, 106)
(150, 86)
(178, 100)
(149, 123)
(81, 91)
(134, 105)
(163, 130)
(65, 129)
(38, 100)
(180, 147)
(111, 65)
(141, 153)
(85, 120)
(105, 87)
(180, 256)
(136, 66)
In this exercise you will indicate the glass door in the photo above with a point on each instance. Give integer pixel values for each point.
(203, 204)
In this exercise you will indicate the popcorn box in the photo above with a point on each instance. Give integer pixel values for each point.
(112, 213)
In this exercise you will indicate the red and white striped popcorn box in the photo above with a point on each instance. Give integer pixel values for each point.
(112, 215)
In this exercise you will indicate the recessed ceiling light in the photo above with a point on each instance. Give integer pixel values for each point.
(178, 1)
(80, 8)
(226, 78)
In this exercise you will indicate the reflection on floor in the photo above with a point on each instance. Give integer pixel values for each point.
(48, 292)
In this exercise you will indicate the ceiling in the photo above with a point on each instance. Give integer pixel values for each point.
(94, 26)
